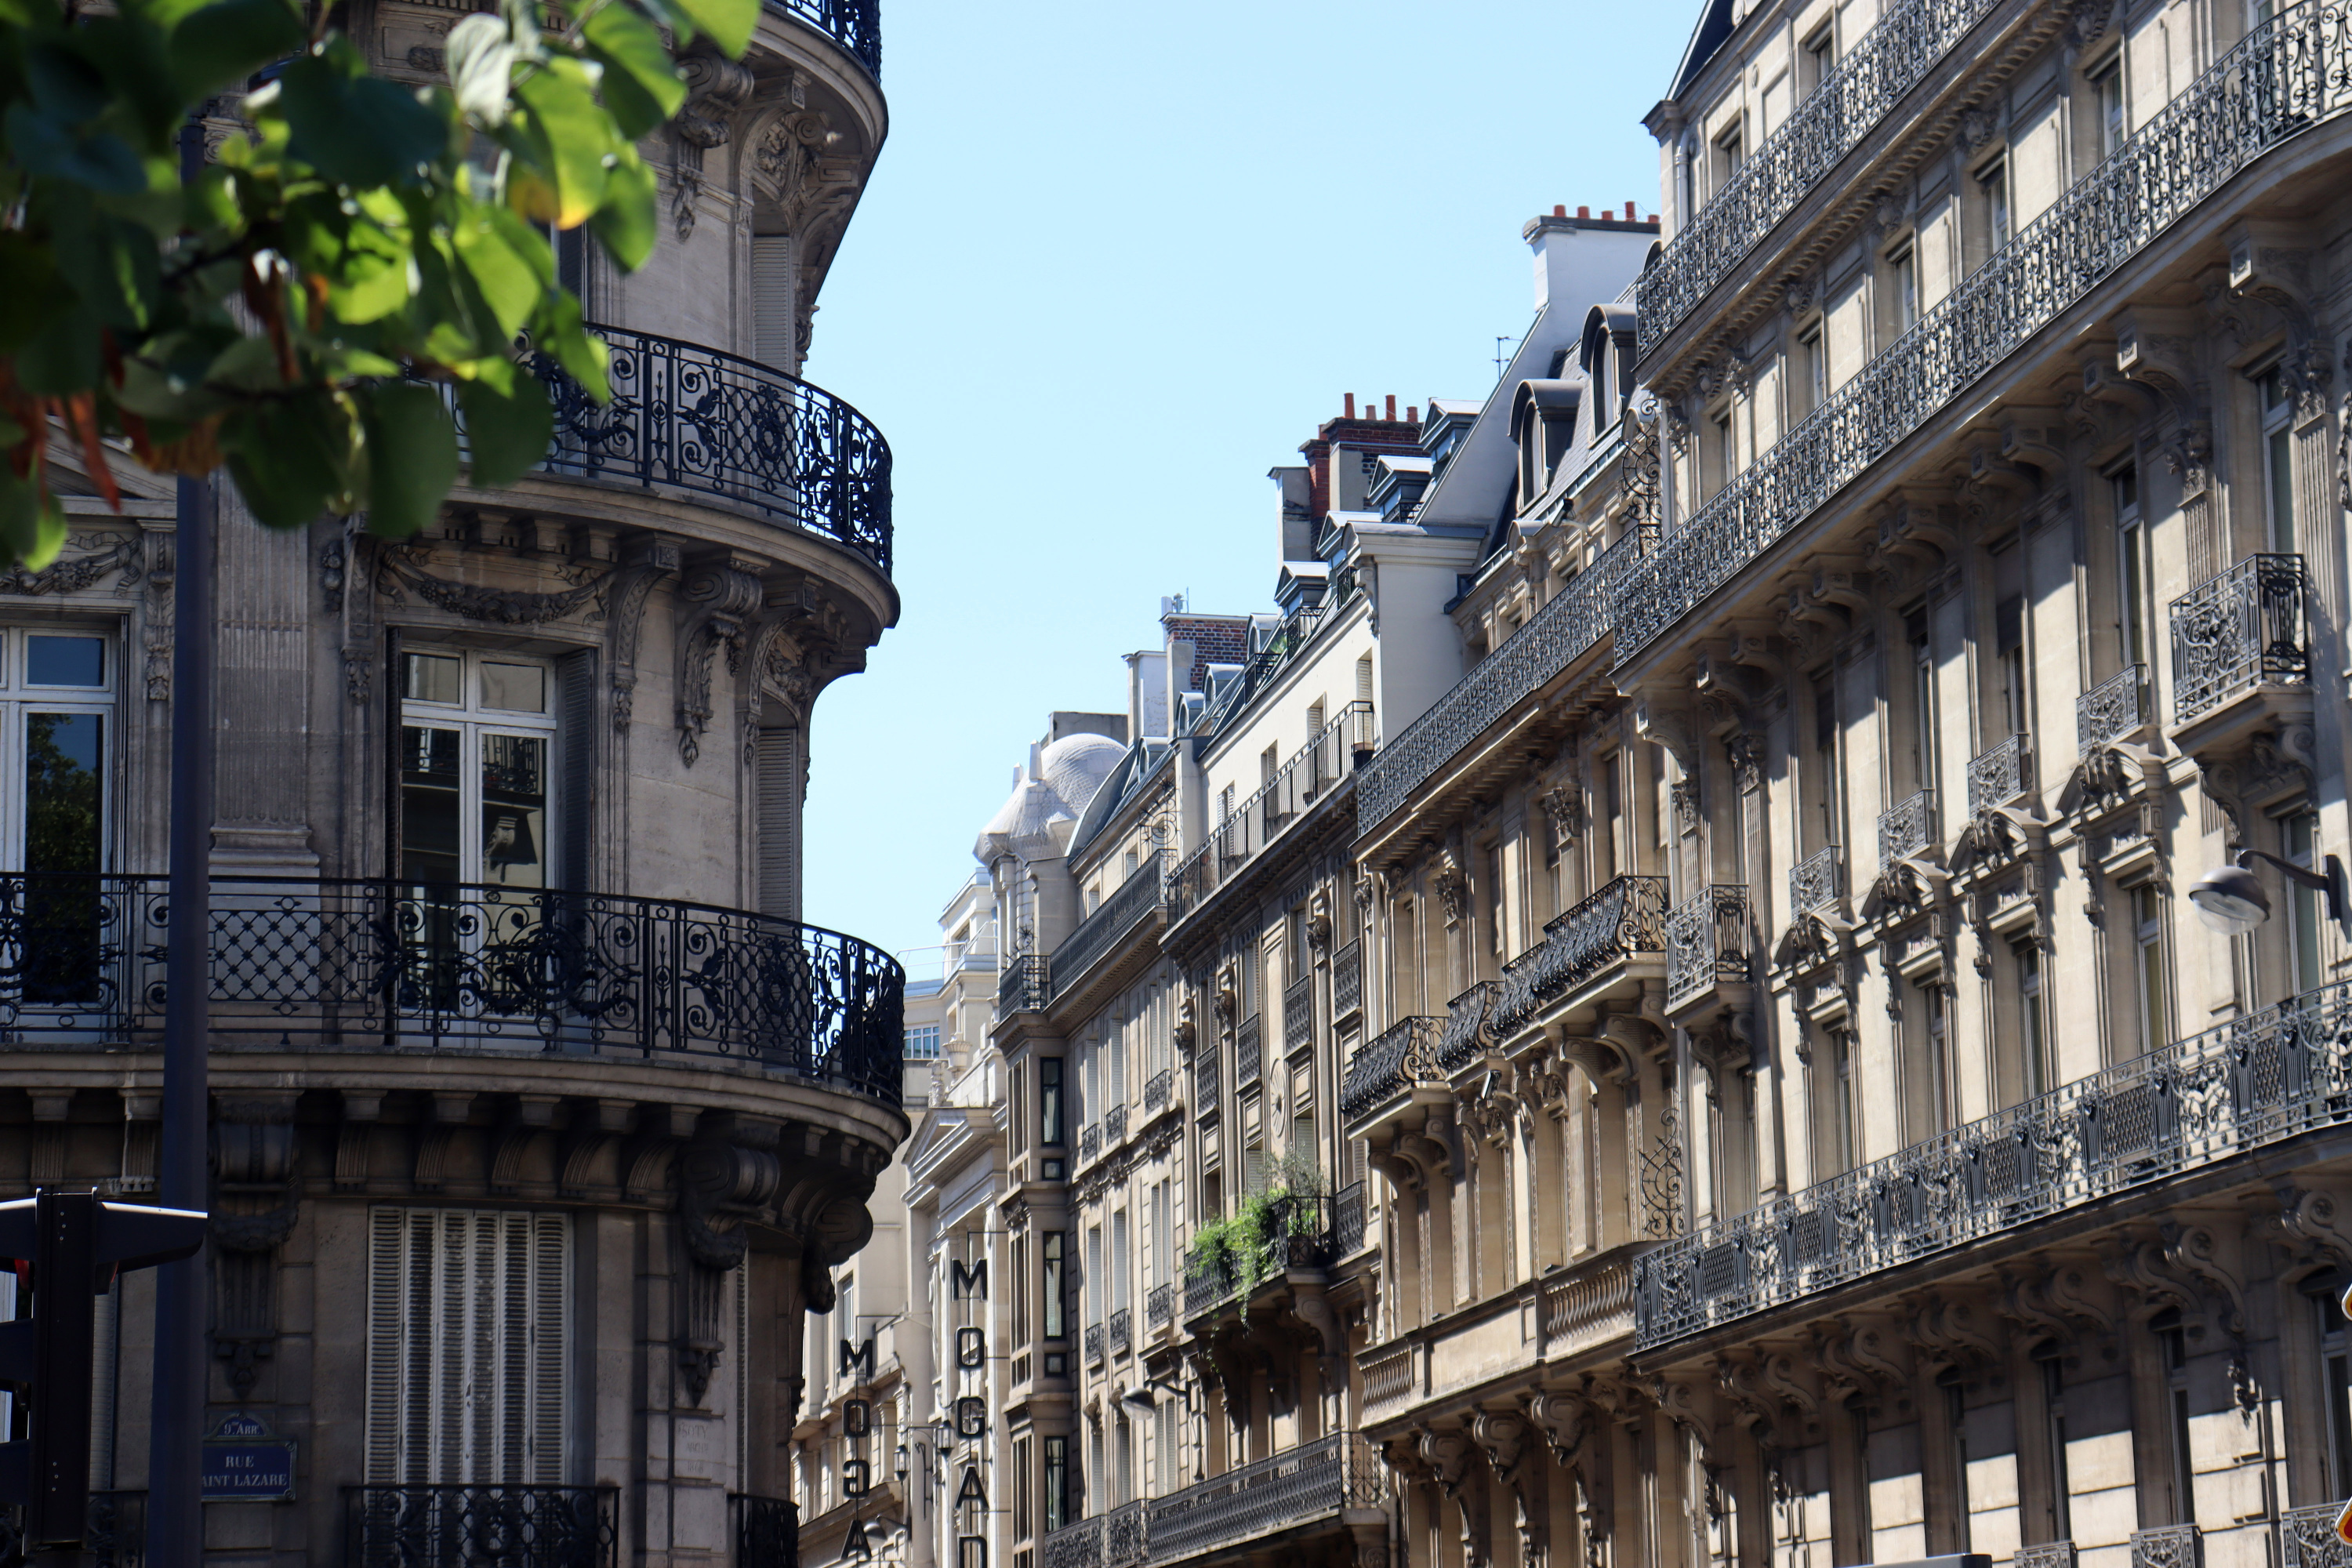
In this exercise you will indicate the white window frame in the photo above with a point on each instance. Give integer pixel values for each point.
(475, 722)
(20, 700)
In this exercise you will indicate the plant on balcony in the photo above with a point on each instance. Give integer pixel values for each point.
(1240, 1246)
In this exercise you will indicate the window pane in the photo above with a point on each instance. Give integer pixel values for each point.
(2281, 486)
(514, 810)
(65, 661)
(434, 677)
(514, 687)
(428, 805)
(63, 757)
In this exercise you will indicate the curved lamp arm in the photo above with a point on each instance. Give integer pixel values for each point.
(2329, 881)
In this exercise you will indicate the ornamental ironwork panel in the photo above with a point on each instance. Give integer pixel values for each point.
(1136, 900)
(1298, 1013)
(1123, 1535)
(2244, 628)
(2167, 1546)
(1022, 986)
(855, 25)
(1205, 1287)
(1114, 1125)
(1625, 917)
(2052, 1554)
(1206, 1084)
(767, 1531)
(1818, 880)
(1907, 827)
(1348, 980)
(1075, 1545)
(1157, 1090)
(1314, 774)
(2000, 774)
(1706, 943)
(1094, 1343)
(1568, 626)
(1089, 1141)
(2287, 74)
(1122, 1331)
(1249, 1053)
(686, 418)
(1160, 1304)
(1348, 1221)
(2307, 1539)
(2115, 708)
(1851, 99)
(2241, 1086)
(1403, 1053)
(357, 963)
(483, 1526)
(1314, 1480)
(1466, 1018)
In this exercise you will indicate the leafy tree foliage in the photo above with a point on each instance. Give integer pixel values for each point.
(306, 308)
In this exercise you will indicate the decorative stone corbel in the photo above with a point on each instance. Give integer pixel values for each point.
(2158, 349)
(650, 561)
(718, 1184)
(2194, 1251)
(596, 1129)
(716, 87)
(715, 603)
(2309, 1225)
(256, 1202)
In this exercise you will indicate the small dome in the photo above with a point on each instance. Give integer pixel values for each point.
(1075, 766)
(1035, 821)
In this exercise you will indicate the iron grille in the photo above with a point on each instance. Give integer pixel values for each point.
(2244, 1085)
(1022, 986)
(1468, 1017)
(2001, 774)
(1706, 943)
(1136, 900)
(2167, 1546)
(1818, 880)
(1906, 828)
(1205, 1086)
(2288, 73)
(1311, 1481)
(1625, 917)
(855, 25)
(1122, 1331)
(767, 1532)
(1347, 981)
(1248, 1054)
(1348, 1221)
(1089, 1141)
(1160, 1304)
(484, 1527)
(1298, 1014)
(2051, 1554)
(1095, 1339)
(358, 963)
(1114, 1124)
(1311, 776)
(2307, 1539)
(1156, 1088)
(2242, 629)
(1403, 1053)
(2113, 709)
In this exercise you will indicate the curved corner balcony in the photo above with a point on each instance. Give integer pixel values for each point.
(855, 25)
(691, 419)
(365, 964)
(2289, 75)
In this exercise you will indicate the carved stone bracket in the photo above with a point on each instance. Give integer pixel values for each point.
(714, 604)
(720, 1183)
(624, 617)
(254, 1206)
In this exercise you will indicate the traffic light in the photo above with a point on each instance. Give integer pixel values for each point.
(76, 1244)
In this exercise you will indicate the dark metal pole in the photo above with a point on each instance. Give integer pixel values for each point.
(174, 1518)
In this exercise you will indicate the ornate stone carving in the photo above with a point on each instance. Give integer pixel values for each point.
(101, 554)
(716, 87)
(714, 605)
(625, 618)
(718, 1184)
(398, 575)
(254, 1210)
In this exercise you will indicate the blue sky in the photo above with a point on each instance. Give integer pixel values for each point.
(1116, 262)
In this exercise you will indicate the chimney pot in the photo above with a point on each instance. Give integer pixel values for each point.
(1392, 407)
(1584, 212)
(1350, 413)
(1560, 212)
(1413, 413)
(1629, 212)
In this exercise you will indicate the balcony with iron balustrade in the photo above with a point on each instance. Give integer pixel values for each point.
(855, 27)
(1603, 947)
(1119, 926)
(1908, 827)
(2290, 77)
(2241, 653)
(2001, 774)
(456, 1526)
(1317, 775)
(2117, 709)
(1708, 952)
(1334, 1486)
(1249, 1053)
(1158, 1090)
(1817, 881)
(1382, 1073)
(2202, 1108)
(1348, 983)
(1298, 1014)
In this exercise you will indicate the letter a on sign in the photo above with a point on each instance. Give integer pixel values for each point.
(972, 1491)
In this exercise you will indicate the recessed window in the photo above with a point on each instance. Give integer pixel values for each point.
(476, 772)
(1902, 282)
(2277, 404)
(2149, 971)
(1992, 184)
(2299, 844)
(2113, 118)
(1819, 55)
(2033, 1042)
(2136, 613)
(1813, 367)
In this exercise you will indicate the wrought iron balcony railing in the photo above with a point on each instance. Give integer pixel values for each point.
(1818, 880)
(1204, 1288)
(2289, 73)
(767, 1531)
(460, 1526)
(1136, 900)
(1347, 981)
(1907, 827)
(116, 1527)
(2247, 628)
(2061, 1553)
(1403, 1053)
(1625, 917)
(1089, 1141)
(2307, 1539)
(2246, 1085)
(1113, 1539)
(1095, 1338)
(1157, 1089)
(1114, 1124)
(855, 25)
(2167, 1546)
(1706, 943)
(358, 964)
(1468, 1018)
(1160, 1304)
(1022, 985)
(2001, 774)
(1122, 1331)
(1348, 1221)
(1249, 1053)
(686, 418)
(1884, 63)
(1205, 1082)
(2113, 709)
(1312, 775)
(1314, 1480)
(1568, 626)
(1298, 1013)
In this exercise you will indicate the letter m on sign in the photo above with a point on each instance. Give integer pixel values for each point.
(967, 1281)
(858, 1359)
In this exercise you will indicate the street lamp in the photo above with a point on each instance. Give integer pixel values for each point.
(2230, 897)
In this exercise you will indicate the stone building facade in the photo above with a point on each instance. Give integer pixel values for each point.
(540, 1121)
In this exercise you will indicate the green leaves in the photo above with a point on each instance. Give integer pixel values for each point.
(311, 308)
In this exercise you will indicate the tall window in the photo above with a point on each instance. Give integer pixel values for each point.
(1497, 947)
(2136, 614)
(1992, 183)
(1903, 281)
(1813, 367)
(1730, 152)
(1049, 1102)
(1936, 1037)
(2175, 1338)
(1820, 56)
(2033, 1042)
(2147, 929)
(2325, 1294)
(1828, 783)
(1726, 450)
(477, 742)
(922, 1042)
(2278, 457)
(2053, 1410)
(2114, 121)
(468, 1331)
(2299, 842)
(56, 710)
(2008, 641)
(1057, 1483)
(1923, 698)
(1054, 1288)
(1840, 1090)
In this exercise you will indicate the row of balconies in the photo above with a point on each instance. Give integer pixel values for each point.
(1312, 775)
(2245, 1085)
(1324, 1479)
(358, 964)
(2275, 84)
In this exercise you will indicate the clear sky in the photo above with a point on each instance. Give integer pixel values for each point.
(1116, 262)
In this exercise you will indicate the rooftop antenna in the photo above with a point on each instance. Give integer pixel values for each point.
(1500, 339)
